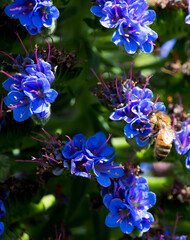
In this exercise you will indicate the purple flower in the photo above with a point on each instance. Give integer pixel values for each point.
(33, 14)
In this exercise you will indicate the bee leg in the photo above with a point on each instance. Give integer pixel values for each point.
(143, 139)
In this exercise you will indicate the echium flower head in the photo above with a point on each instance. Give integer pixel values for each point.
(138, 106)
(50, 158)
(132, 19)
(182, 142)
(92, 155)
(33, 14)
(80, 156)
(29, 91)
(128, 204)
(134, 36)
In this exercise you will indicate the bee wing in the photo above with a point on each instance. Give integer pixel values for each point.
(167, 134)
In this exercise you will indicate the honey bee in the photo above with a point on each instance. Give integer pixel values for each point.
(163, 133)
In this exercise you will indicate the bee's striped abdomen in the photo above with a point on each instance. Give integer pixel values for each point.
(161, 149)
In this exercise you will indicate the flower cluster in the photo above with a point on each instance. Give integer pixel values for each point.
(81, 156)
(132, 18)
(138, 106)
(92, 154)
(182, 142)
(29, 91)
(2, 214)
(128, 204)
(33, 14)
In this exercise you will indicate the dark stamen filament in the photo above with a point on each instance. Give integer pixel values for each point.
(175, 226)
(36, 55)
(31, 43)
(100, 80)
(51, 136)
(14, 60)
(46, 156)
(71, 142)
(117, 89)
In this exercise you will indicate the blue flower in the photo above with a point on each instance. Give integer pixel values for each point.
(96, 147)
(128, 204)
(97, 9)
(120, 216)
(114, 12)
(40, 94)
(33, 14)
(181, 238)
(132, 19)
(92, 155)
(21, 63)
(1, 228)
(41, 69)
(2, 214)
(136, 112)
(133, 35)
(14, 82)
(182, 139)
(187, 19)
(20, 104)
(104, 170)
(74, 148)
(182, 142)
(167, 47)
(2, 209)
(31, 87)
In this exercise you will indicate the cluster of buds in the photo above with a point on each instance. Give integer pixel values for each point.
(177, 113)
(180, 192)
(176, 66)
(170, 3)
